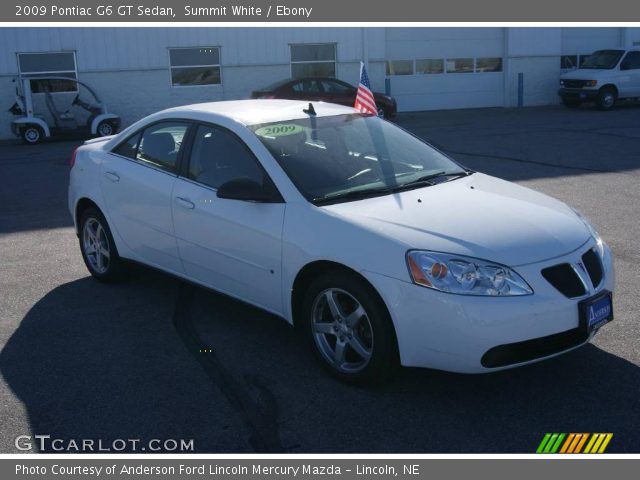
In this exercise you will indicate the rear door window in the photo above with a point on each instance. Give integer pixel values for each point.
(129, 147)
(160, 144)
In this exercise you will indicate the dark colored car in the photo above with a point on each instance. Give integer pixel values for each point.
(326, 90)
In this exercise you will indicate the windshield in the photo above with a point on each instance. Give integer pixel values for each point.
(603, 59)
(346, 157)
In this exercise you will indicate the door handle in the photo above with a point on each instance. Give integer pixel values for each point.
(186, 203)
(113, 176)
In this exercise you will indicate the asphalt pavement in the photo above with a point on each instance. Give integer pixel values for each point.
(156, 358)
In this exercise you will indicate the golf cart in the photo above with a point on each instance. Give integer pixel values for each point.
(32, 128)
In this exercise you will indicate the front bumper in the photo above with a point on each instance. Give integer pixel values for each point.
(461, 333)
(581, 94)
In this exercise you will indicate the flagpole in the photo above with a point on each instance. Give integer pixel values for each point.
(365, 47)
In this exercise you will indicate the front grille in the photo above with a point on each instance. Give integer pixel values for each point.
(565, 279)
(519, 352)
(574, 83)
(593, 265)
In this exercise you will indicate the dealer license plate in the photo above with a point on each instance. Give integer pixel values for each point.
(597, 311)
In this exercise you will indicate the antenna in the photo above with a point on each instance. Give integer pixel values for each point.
(310, 110)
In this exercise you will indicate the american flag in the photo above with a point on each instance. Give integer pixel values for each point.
(365, 102)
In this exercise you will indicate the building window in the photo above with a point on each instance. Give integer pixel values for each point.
(431, 65)
(459, 65)
(568, 62)
(49, 64)
(399, 67)
(489, 64)
(313, 60)
(194, 66)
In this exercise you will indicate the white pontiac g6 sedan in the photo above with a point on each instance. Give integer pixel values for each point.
(386, 251)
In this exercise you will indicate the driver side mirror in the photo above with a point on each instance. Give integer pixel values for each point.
(246, 190)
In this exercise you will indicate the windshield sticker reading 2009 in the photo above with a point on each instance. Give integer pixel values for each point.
(279, 130)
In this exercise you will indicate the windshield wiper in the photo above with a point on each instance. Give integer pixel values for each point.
(352, 195)
(428, 179)
(373, 192)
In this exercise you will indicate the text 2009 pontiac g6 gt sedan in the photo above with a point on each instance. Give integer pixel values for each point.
(382, 248)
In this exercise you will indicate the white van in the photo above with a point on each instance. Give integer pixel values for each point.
(605, 77)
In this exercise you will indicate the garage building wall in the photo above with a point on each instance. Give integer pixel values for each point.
(533, 53)
(129, 67)
(584, 40)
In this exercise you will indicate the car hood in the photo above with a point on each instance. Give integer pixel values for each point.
(585, 74)
(479, 216)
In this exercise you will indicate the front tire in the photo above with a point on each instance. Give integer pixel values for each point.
(349, 328)
(607, 98)
(98, 248)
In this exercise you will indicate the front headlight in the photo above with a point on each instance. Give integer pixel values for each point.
(464, 275)
(596, 236)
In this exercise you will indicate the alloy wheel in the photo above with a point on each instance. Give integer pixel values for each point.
(342, 330)
(96, 245)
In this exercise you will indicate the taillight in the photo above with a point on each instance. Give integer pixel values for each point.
(73, 157)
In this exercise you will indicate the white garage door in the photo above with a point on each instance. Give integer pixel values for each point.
(440, 68)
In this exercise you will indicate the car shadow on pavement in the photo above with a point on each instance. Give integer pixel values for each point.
(103, 362)
(94, 361)
(587, 390)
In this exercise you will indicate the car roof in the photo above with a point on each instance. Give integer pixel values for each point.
(253, 112)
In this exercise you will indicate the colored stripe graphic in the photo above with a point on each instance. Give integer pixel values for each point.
(574, 443)
(576, 439)
(590, 444)
(567, 443)
(550, 443)
(581, 443)
(604, 445)
(544, 441)
(598, 442)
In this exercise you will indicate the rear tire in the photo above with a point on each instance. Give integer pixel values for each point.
(32, 134)
(106, 128)
(607, 98)
(98, 248)
(349, 328)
